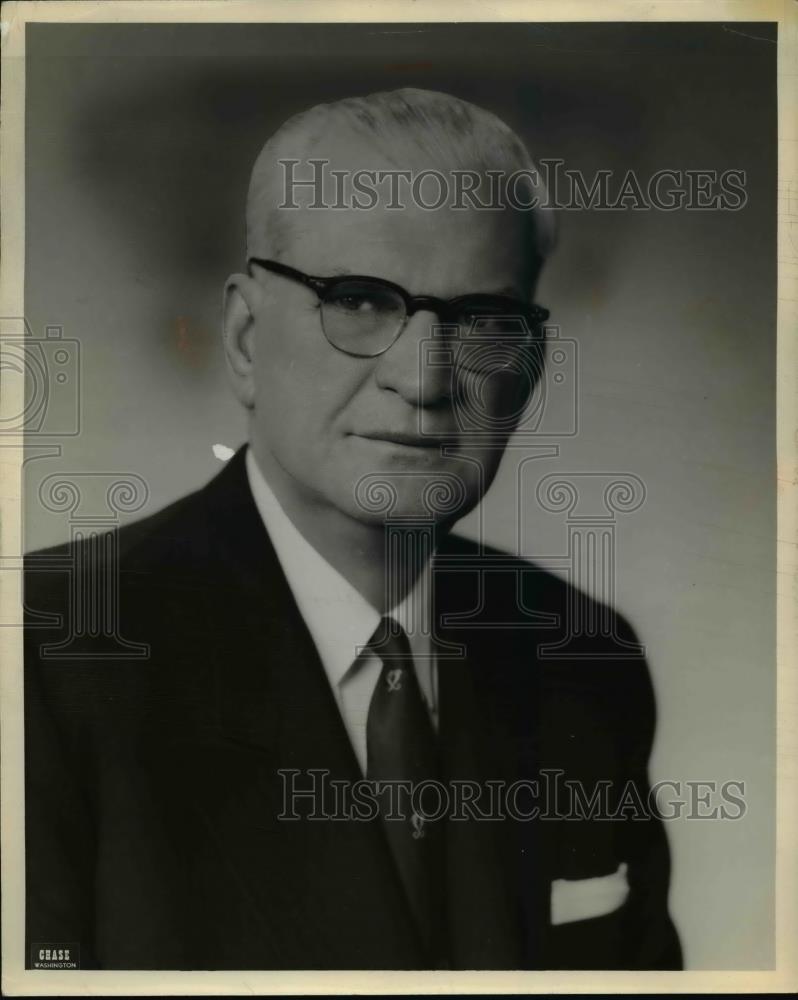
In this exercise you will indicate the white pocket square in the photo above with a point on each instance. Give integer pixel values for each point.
(580, 899)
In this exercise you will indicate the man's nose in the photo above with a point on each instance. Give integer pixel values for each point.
(409, 366)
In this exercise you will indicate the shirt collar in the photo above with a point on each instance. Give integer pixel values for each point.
(340, 620)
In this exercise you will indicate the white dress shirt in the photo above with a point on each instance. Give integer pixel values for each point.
(341, 621)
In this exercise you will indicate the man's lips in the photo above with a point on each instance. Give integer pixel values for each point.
(406, 439)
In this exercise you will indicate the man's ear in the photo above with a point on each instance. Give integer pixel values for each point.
(242, 297)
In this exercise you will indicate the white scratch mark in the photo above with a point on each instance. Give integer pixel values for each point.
(745, 34)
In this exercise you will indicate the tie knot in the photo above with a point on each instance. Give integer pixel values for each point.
(391, 644)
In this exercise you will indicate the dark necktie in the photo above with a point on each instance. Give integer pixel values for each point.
(402, 747)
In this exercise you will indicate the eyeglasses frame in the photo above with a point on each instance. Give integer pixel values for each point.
(445, 309)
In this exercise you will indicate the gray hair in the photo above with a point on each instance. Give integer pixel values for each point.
(434, 128)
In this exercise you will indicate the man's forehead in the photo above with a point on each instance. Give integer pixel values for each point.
(410, 246)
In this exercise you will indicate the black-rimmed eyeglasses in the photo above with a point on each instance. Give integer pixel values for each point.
(364, 316)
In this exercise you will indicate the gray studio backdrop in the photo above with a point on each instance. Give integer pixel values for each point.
(139, 143)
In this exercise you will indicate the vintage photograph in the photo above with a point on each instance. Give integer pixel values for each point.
(398, 496)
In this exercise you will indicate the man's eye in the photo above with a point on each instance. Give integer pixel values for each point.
(366, 302)
(484, 323)
(355, 303)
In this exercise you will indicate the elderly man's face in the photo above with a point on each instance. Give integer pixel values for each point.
(337, 424)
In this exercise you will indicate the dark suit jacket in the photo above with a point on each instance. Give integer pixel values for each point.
(152, 786)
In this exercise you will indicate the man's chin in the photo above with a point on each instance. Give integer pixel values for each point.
(430, 496)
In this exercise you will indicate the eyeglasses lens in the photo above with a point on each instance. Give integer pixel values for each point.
(361, 317)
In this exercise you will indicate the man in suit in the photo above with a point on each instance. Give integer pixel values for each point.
(312, 623)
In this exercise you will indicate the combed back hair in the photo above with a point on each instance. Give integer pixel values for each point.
(397, 129)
